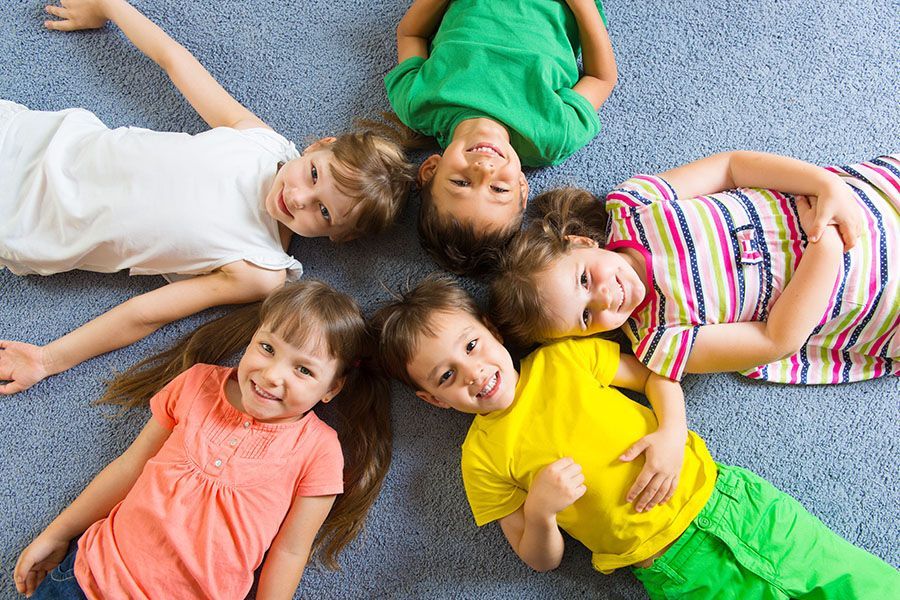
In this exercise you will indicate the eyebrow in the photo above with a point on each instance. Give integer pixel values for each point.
(462, 335)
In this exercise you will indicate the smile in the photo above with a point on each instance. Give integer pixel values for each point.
(283, 206)
(485, 148)
(490, 387)
(622, 290)
(264, 394)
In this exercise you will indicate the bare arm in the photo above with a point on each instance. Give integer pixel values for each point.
(417, 26)
(216, 106)
(23, 365)
(833, 205)
(664, 448)
(106, 490)
(289, 553)
(532, 530)
(600, 71)
(740, 346)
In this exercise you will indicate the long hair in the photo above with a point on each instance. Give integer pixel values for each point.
(295, 312)
(516, 305)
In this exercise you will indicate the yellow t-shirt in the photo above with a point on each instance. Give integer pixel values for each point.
(563, 407)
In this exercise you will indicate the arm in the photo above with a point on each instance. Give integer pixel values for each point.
(205, 94)
(532, 530)
(600, 72)
(740, 346)
(289, 553)
(23, 365)
(106, 490)
(664, 448)
(417, 26)
(728, 170)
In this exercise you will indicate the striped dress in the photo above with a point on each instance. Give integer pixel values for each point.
(727, 257)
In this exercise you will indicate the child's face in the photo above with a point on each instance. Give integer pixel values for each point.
(464, 366)
(280, 382)
(479, 178)
(304, 198)
(589, 290)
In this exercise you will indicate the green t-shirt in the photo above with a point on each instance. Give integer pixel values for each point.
(513, 61)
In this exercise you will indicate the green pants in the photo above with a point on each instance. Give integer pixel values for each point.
(752, 541)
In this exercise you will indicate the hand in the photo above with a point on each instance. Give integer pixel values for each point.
(40, 557)
(837, 207)
(663, 455)
(555, 488)
(22, 365)
(77, 14)
(809, 216)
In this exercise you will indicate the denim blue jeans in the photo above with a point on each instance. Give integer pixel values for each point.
(60, 583)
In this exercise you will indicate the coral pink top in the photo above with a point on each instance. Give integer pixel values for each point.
(205, 509)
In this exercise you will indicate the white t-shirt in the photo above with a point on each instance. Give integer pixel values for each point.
(75, 194)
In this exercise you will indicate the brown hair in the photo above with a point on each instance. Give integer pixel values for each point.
(516, 305)
(372, 170)
(400, 324)
(457, 246)
(295, 312)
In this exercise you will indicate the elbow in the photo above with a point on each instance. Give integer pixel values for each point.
(543, 566)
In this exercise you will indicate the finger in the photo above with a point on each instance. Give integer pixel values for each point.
(580, 491)
(578, 479)
(660, 494)
(60, 25)
(570, 470)
(30, 583)
(672, 487)
(13, 387)
(640, 484)
(649, 492)
(635, 450)
(57, 11)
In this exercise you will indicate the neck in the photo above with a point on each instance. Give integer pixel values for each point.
(285, 234)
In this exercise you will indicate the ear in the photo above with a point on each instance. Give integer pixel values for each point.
(431, 399)
(427, 168)
(580, 240)
(320, 144)
(524, 189)
(334, 391)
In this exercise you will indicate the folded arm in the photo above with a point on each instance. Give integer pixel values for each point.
(215, 105)
(23, 365)
(418, 26)
(600, 72)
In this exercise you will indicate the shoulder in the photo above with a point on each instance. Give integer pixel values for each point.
(641, 190)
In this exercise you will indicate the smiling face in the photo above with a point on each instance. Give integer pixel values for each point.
(278, 382)
(479, 178)
(463, 366)
(304, 197)
(589, 290)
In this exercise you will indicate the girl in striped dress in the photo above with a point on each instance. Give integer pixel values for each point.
(742, 261)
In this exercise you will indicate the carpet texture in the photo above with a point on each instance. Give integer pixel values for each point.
(814, 80)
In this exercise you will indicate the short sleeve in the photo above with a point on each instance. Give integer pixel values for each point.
(581, 122)
(165, 403)
(323, 475)
(597, 355)
(491, 495)
(641, 190)
(399, 82)
(665, 350)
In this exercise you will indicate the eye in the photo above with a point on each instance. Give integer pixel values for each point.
(445, 376)
(584, 279)
(325, 214)
(304, 371)
(267, 348)
(471, 346)
(499, 189)
(586, 317)
(460, 182)
(314, 173)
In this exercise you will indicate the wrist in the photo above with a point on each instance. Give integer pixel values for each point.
(537, 515)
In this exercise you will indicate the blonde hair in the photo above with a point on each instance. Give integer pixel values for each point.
(400, 324)
(295, 312)
(516, 304)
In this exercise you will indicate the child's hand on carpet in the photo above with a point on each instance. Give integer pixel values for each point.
(21, 365)
(40, 557)
(77, 14)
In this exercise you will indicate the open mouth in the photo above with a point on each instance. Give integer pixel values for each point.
(283, 206)
(490, 387)
(264, 394)
(622, 292)
(485, 148)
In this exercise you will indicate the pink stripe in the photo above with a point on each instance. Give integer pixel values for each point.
(793, 227)
(724, 242)
(653, 306)
(795, 369)
(677, 366)
(623, 198)
(880, 342)
(654, 181)
(675, 234)
(887, 175)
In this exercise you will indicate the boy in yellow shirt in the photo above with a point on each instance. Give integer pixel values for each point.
(543, 453)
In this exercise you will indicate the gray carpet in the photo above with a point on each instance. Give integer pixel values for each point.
(815, 80)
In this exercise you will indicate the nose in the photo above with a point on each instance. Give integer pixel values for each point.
(603, 296)
(472, 374)
(299, 199)
(273, 374)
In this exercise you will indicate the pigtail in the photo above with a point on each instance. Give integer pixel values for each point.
(212, 343)
(364, 429)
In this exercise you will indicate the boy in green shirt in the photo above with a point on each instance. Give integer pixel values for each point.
(497, 84)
